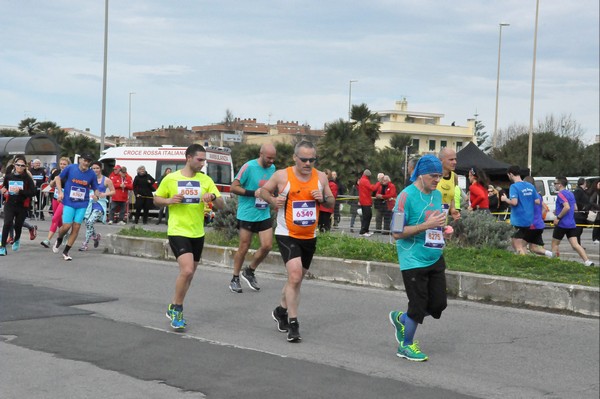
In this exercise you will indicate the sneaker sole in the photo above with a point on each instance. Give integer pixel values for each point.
(297, 339)
(412, 359)
(249, 285)
(277, 322)
(44, 245)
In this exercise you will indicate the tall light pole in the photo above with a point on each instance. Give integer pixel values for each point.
(495, 137)
(350, 98)
(530, 146)
(103, 126)
(130, 93)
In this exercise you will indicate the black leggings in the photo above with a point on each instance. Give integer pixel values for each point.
(14, 216)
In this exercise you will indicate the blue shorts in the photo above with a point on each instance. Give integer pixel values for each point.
(72, 215)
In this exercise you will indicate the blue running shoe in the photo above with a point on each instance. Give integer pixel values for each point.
(395, 320)
(16, 245)
(411, 352)
(2, 251)
(176, 317)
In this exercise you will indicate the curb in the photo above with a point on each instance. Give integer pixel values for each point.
(577, 299)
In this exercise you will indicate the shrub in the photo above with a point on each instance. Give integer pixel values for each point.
(481, 229)
(225, 219)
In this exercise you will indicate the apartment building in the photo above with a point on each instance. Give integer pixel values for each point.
(428, 134)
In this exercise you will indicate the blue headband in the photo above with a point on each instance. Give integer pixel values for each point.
(426, 165)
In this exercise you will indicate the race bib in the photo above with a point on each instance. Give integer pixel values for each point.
(77, 193)
(434, 238)
(260, 203)
(15, 186)
(190, 190)
(304, 213)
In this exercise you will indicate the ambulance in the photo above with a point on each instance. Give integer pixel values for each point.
(156, 160)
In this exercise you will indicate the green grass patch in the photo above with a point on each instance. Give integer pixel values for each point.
(496, 262)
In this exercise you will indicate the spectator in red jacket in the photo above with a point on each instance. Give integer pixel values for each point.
(123, 184)
(365, 201)
(478, 195)
(385, 200)
(325, 213)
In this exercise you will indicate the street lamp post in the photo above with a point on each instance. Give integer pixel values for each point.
(103, 127)
(530, 145)
(350, 98)
(495, 137)
(130, 93)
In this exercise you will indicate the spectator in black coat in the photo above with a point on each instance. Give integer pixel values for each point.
(143, 187)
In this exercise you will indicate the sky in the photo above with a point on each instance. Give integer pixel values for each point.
(188, 61)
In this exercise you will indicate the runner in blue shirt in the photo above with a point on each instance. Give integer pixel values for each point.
(419, 244)
(253, 214)
(522, 199)
(79, 181)
(534, 236)
(564, 224)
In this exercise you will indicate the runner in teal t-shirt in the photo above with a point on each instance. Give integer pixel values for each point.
(420, 243)
(253, 214)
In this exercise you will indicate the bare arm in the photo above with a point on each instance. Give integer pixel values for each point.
(269, 188)
(324, 197)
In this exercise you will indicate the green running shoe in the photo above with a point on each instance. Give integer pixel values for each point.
(411, 352)
(395, 320)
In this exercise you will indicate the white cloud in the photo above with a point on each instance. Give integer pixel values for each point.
(189, 61)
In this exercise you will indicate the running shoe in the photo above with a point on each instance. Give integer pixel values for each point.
(33, 233)
(250, 279)
(411, 352)
(16, 245)
(56, 247)
(110, 222)
(281, 320)
(235, 285)
(177, 322)
(97, 238)
(294, 332)
(588, 263)
(67, 257)
(121, 223)
(172, 313)
(2, 251)
(83, 248)
(45, 243)
(395, 320)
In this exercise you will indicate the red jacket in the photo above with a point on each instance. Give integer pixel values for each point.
(365, 191)
(334, 189)
(390, 196)
(121, 193)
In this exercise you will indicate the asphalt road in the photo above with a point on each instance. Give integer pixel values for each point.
(95, 328)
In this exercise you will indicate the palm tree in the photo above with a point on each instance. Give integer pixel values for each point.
(29, 125)
(366, 121)
(345, 149)
(53, 130)
(78, 145)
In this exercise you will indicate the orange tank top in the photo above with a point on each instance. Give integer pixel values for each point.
(298, 217)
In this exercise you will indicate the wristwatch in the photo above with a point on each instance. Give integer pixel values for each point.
(324, 199)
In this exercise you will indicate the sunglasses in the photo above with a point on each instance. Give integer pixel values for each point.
(20, 165)
(304, 160)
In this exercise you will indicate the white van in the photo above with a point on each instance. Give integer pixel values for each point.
(545, 186)
(219, 165)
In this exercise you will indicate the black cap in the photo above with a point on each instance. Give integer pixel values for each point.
(87, 155)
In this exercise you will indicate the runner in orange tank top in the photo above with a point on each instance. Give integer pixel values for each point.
(301, 189)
